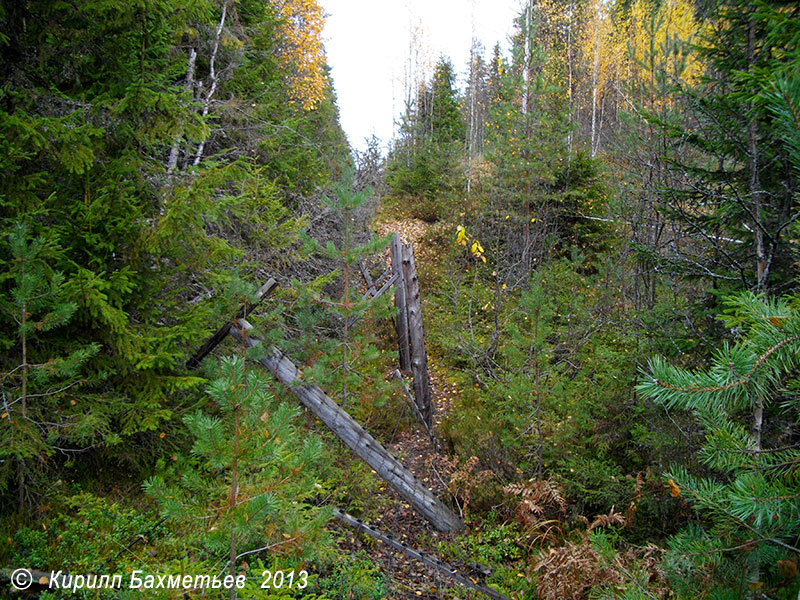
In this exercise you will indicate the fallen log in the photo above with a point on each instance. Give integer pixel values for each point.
(352, 434)
(473, 581)
(214, 341)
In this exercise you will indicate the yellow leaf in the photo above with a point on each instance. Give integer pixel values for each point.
(674, 490)
(5, 415)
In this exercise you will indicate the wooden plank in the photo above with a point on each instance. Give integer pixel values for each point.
(401, 323)
(383, 275)
(383, 289)
(354, 318)
(428, 559)
(212, 342)
(367, 278)
(419, 358)
(352, 434)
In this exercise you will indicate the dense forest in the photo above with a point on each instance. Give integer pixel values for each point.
(605, 226)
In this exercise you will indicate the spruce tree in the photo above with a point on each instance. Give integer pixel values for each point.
(731, 148)
(423, 165)
(39, 410)
(333, 324)
(746, 496)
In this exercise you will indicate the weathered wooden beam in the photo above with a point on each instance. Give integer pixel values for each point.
(367, 278)
(354, 318)
(428, 559)
(352, 434)
(392, 280)
(382, 277)
(419, 358)
(401, 323)
(383, 288)
(214, 341)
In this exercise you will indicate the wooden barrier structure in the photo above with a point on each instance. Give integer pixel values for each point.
(416, 337)
(221, 333)
(352, 434)
(401, 323)
(408, 324)
(403, 276)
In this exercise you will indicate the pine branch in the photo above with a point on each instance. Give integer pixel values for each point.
(743, 380)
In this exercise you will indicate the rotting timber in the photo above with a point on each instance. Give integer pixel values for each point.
(363, 445)
(474, 582)
(403, 277)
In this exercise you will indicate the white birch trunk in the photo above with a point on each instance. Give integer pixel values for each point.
(172, 161)
(212, 75)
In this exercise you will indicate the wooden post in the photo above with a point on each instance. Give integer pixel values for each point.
(419, 358)
(351, 433)
(401, 323)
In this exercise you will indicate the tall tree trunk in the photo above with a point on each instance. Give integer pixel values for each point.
(526, 58)
(595, 76)
(762, 272)
(212, 76)
(232, 498)
(172, 161)
(346, 303)
(472, 108)
(569, 81)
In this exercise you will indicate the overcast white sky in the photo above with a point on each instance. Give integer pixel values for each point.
(367, 42)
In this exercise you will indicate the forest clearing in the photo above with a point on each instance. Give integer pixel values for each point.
(541, 344)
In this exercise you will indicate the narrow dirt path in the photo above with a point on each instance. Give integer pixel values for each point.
(409, 578)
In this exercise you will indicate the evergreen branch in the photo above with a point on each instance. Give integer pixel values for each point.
(761, 450)
(722, 510)
(733, 384)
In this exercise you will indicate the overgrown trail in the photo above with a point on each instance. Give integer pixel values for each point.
(408, 578)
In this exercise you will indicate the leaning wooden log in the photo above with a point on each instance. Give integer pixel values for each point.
(372, 284)
(214, 341)
(419, 358)
(354, 318)
(473, 580)
(367, 278)
(375, 295)
(400, 303)
(352, 434)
